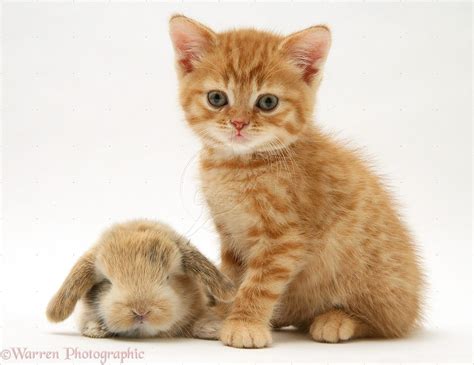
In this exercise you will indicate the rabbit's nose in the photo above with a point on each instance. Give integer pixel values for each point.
(140, 316)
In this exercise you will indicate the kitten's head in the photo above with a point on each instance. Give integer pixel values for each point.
(246, 91)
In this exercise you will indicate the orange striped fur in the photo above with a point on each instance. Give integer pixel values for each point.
(307, 230)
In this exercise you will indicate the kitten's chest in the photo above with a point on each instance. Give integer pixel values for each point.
(242, 199)
(229, 194)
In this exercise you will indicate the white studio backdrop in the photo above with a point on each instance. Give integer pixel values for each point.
(93, 133)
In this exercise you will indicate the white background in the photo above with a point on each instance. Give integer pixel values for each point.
(93, 134)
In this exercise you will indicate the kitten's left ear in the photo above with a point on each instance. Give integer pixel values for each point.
(191, 40)
(308, 49)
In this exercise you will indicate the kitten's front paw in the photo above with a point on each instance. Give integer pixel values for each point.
(240, 334)
(95, 330)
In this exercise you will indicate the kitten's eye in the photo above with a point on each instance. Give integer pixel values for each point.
(217, 98)
(267, 102)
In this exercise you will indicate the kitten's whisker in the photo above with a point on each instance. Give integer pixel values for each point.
(289, 153)
(283, 159)
(280, 160)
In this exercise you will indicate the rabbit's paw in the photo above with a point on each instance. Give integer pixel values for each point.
(207, 329)
(238, 333)
(95, 330)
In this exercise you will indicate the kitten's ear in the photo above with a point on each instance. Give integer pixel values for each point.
(190, 40)
(308, 49)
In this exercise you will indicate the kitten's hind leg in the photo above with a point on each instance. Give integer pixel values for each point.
(336, 325)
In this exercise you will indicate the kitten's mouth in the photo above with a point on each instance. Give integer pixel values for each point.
(239, 135)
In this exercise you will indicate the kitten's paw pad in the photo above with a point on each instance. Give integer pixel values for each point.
(207, 329)
(244, 334)
(95, 330)
(333, 327)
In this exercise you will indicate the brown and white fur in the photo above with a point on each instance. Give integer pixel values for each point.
(141, 279)
(308, 232)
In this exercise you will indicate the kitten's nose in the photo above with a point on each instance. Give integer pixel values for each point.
(239, 124)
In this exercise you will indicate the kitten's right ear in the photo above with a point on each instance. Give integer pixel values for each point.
(190, 39)
(81, 278)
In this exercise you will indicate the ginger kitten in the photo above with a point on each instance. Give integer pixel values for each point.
(307, 230)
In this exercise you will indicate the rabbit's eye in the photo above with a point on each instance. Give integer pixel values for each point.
(168, 277)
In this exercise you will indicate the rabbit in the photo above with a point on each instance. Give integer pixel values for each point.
(142, 279)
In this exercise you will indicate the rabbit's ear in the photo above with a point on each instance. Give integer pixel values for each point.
(81, 278)
(197, 265)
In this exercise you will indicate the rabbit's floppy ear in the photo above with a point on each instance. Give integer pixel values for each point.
(81, 278)
(197, 265)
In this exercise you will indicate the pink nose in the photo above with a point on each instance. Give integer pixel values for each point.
(239, 124)
(140, 316)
